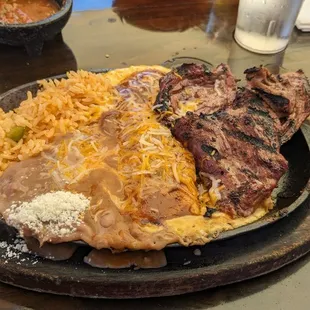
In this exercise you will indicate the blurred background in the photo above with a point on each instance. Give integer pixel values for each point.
(119, 33)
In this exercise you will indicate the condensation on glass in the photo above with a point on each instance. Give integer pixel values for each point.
(265, 26)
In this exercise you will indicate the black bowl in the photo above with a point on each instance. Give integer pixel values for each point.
(33, 35)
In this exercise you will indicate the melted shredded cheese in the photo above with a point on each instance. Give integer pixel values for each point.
(149, 155)
(214, 191)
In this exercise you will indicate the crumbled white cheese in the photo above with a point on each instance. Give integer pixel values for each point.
(14, 251)
(54, 213)
(3, 245)
(20, 245)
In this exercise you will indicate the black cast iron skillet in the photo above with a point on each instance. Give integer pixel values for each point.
(33, 35)
(293, 188)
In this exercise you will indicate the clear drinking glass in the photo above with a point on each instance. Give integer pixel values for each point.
(265, 26)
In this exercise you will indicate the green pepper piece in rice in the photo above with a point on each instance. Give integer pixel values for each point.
(16, 133)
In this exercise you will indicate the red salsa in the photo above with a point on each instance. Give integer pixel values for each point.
(26, 11)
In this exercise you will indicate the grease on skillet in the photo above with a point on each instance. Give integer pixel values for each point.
(26, 11)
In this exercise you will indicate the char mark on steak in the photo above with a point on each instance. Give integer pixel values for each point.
(209, 91)
(288, 95)
(238, 146)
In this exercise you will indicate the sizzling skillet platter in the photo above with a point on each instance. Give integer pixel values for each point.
(111, 151)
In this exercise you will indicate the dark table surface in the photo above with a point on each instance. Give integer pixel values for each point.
(102, 34)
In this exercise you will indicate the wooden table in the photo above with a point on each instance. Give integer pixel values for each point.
(131, 32)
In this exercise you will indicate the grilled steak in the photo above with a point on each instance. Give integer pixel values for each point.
(238, 147)
(208, 90)
(235, 136)
(287, 94)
